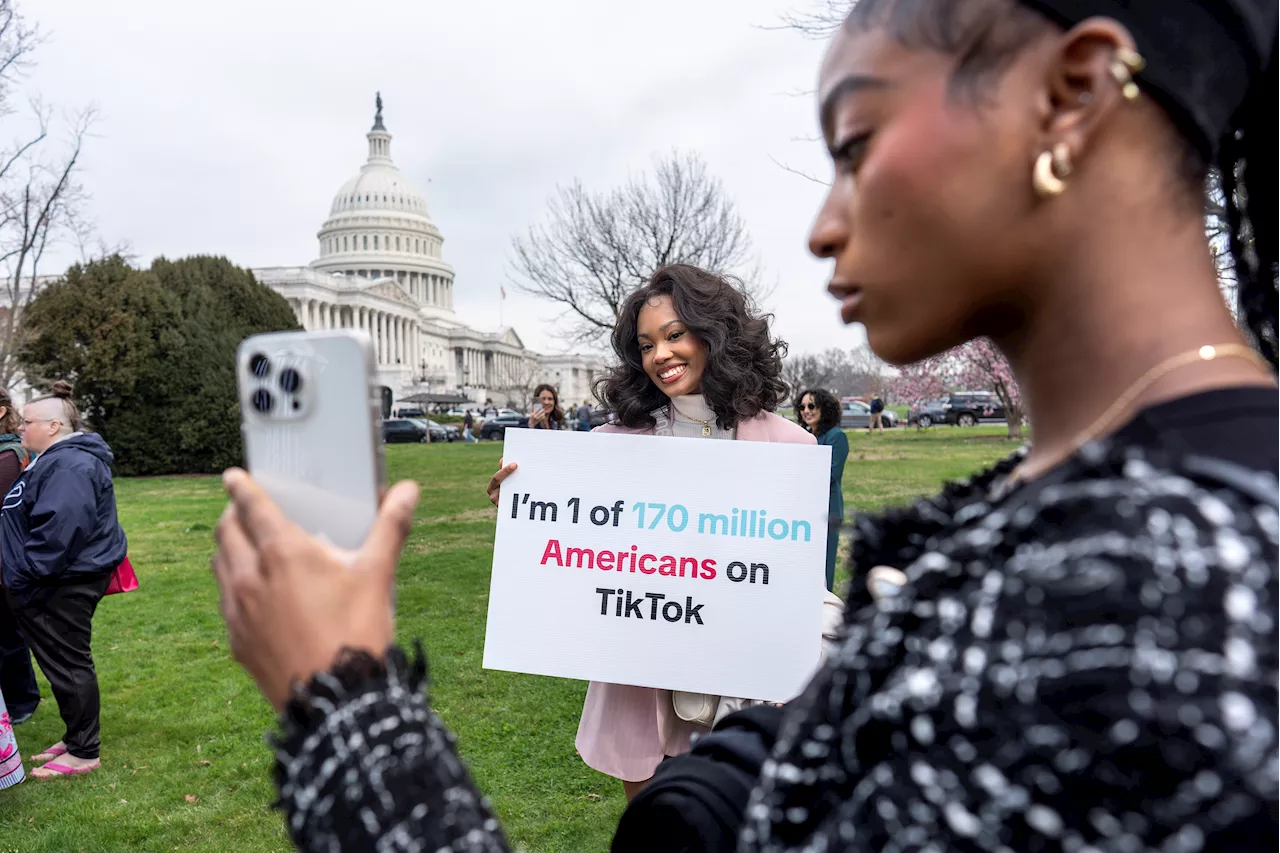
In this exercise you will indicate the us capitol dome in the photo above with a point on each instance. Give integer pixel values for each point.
(380, 269)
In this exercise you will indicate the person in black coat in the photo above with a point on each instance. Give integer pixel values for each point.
(61, 544)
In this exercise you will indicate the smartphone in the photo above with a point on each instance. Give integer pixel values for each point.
(309, 415)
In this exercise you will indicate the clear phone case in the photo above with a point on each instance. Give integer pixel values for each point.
(310, 420)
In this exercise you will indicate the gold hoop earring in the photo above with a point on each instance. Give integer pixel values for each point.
(1123, 66)
(1050, 169)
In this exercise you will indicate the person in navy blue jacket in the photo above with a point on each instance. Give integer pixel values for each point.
(61, 543)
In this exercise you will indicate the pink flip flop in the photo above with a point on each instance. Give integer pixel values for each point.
(49, 754)
(63, 770)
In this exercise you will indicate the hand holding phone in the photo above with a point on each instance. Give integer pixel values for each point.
(292, 604)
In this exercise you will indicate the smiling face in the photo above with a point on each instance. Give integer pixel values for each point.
(673, 357)
(930, 216)
(810, 411)
(548, 399)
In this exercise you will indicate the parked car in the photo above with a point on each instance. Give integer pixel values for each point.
(927, 414)
(410, 412)
(509, 413)
(970, 408)
(856, 414)
(437, 431)
(495, 429)
(451, 432)
(599, 417)
(401, 430)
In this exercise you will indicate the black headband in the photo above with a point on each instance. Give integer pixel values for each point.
(1201, 55)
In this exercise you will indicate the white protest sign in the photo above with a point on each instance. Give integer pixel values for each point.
(675, 563)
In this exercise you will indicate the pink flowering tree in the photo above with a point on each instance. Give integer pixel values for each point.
(983, 368)
(975, 366)
(921, 382)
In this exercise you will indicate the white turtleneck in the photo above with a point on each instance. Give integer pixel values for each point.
(684, 418)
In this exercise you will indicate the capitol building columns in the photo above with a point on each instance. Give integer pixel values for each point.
(397, 339)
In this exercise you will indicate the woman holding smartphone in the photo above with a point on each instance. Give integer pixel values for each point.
(546, 413)
(1083, 656)
(693, 361)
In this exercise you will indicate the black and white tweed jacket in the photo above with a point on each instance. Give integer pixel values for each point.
(1085, 664)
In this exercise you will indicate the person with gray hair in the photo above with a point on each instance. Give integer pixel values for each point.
(61, 544)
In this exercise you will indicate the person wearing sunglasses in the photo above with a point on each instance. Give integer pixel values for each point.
(819, 413)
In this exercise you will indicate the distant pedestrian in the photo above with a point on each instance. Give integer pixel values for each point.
(584, 416)
(819, 413)
(467, 423)
(17, 676)
(61, 544)
(877, 415)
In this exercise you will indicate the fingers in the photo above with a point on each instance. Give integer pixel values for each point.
(260, 518)
(234, 562)
(495, 482)
(392, 526)
(236, 555)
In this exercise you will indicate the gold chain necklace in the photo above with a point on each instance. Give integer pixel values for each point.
(1100, 424)
(706, 425)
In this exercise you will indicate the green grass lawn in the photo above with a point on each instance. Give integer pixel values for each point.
(185, 766)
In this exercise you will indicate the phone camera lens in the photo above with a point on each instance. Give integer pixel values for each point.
(262, 400)
(259, 365)
(290, 380)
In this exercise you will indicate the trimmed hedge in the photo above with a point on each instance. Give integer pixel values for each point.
(151, 353)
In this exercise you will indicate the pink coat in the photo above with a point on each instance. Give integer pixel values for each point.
(625, 731)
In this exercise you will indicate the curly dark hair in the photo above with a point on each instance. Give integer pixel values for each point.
(743, 376)
(827, 407)
(557, 414)
(9, 422)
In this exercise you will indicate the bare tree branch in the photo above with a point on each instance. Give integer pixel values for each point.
(784, 167)
(40, 198)
(822, 19)
(845, 373)
(594, 249)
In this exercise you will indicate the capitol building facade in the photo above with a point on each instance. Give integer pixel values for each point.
(381, 270)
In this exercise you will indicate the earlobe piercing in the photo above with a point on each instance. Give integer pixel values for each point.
(1050, 169)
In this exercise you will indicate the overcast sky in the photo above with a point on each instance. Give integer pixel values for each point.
(226, 128)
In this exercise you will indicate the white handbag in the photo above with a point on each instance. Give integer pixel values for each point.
(697, 708)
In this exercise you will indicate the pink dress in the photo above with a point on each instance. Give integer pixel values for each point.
(626, 731)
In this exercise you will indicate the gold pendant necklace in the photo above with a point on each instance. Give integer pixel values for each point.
(1105, 420)
(706, 425)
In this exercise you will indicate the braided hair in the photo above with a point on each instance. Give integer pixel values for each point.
(1247, 165)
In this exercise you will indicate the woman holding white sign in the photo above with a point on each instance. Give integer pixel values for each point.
(694, 361)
